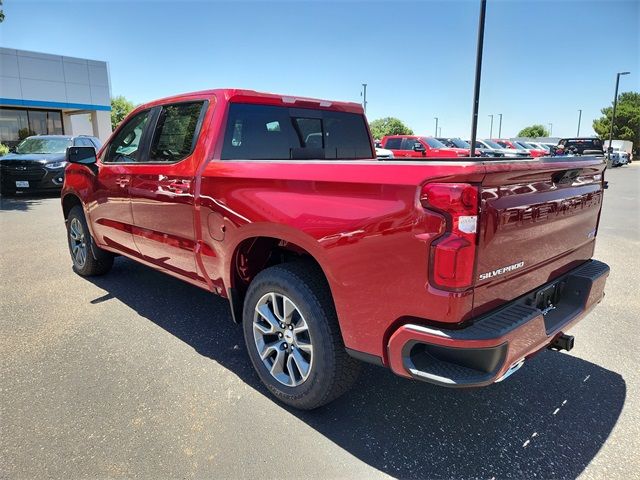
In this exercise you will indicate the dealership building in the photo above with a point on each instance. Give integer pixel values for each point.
(44, 94)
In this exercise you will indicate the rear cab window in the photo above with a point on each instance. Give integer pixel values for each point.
(393, 143)
(264, 132)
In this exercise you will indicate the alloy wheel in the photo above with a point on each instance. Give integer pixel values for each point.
(282, 339)
(77, 242)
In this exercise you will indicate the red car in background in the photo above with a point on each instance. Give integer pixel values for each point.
(416, 146)
(522, 146)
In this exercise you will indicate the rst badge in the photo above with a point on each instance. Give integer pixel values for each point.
(500, 271)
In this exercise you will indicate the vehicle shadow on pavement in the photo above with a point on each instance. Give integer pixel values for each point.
(548, 420)
(19, 202)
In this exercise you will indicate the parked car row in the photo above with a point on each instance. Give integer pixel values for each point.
(412, 146)
(37, 163)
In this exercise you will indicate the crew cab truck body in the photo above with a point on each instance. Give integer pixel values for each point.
(450, 271)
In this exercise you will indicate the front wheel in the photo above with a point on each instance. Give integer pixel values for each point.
(88, 259)
(293, 338)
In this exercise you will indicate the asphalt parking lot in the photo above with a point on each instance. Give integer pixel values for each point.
(136, 374)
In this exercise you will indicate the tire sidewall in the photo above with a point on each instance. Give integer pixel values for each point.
(76, 212)
(280, 281)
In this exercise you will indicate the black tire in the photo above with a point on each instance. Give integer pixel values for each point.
(96, 261)
(332, 371)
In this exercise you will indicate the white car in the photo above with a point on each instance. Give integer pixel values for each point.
(496, 147)
(383, 153)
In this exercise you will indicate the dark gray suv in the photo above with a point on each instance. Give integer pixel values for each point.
(37, 163)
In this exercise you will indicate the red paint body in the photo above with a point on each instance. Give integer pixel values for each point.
(362, 221)
(429, 152)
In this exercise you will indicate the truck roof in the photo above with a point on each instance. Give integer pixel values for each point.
(236, 95)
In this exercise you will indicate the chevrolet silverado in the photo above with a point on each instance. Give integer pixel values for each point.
(450, 271)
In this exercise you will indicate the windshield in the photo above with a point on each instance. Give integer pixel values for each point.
(492, 144)
(433, 143)
(526, 145)
(460, 143)
(43, 145)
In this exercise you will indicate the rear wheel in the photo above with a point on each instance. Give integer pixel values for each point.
(88, 259)
(293, 338)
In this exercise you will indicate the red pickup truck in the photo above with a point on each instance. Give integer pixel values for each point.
(451, 271)
(419, 147)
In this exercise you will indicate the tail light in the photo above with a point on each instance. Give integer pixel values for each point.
(453, 254)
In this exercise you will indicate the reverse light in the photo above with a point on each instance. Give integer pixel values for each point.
(453, 254)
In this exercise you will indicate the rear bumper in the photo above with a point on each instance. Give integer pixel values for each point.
(497, 343)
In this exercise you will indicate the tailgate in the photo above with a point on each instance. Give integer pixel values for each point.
(538, 219)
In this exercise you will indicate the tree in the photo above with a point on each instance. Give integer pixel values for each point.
(534, 131)
(388, 126)
(627, 126)
(120, 108)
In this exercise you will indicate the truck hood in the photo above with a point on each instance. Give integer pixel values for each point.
(33, 157)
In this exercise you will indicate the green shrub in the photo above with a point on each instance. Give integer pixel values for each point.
(3, 149)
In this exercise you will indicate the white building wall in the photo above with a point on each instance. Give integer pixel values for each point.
(73, 85)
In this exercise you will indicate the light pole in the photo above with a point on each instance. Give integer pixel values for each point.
(436, 134)
(364, 99)
(579, 118)
(491, 128)
(440, 131)
(500, 127)
(550, 129)
(615, 104)
(476, 87)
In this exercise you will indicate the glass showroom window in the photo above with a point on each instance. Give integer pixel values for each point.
(12, 124)
(17, 124)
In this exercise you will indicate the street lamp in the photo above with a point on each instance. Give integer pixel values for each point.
(615, 104)
(436, 134)
(500, 127)
(440, 132)
(476, 87)
(550, 129)
(491, 128)
(364, 99)
(579, 118)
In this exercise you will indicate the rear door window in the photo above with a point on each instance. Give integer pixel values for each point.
(176, 132)
(408, 143)
(263, 132)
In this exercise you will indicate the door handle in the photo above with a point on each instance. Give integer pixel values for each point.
(123, 181)
(178, 186)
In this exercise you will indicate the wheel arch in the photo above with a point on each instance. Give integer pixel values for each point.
(252, 254)
(69, 201)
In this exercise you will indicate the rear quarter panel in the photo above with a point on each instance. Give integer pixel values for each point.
(360, 220)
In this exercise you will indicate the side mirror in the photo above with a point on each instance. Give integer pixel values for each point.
(81, 155)
(418, 147)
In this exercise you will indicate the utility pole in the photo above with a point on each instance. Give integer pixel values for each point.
(615, 104)
(491, 128)
(476, 87)
(364, 99)
(579, 118)
(436, 134)
(550, 129)
(500, 127)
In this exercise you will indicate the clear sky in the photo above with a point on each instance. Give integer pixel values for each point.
(542, 60)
